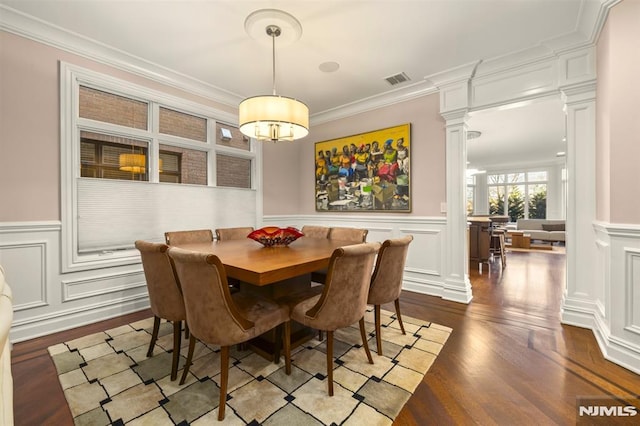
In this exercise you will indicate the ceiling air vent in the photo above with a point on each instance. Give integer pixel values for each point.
(397, 79)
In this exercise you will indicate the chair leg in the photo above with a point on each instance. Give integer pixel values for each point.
(376, 315)
(177, 336)
(330, 362)
(397, 303)
(503, 256)
(185, 371)
(363, 333)
(287, 347)
(277, 343)
(154, 335)
(224, 378)
(186, 329)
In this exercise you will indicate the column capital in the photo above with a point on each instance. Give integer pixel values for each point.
(579, 92)
(457, 117)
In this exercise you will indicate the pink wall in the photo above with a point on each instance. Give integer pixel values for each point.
(30, 125)
(618, 119)
(603, 128)
(289, 188)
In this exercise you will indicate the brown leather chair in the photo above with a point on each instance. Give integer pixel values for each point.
(185, 237)
(313, 231)
(218, 317)
(386, 282)
(164, 294)
(225, 234)
(347, 234)
(343, 300)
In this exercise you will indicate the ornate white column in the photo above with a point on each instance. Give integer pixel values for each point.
(457, 286)
(580, 300)
(454, 105)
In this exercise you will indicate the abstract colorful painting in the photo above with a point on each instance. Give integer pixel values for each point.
(367, 172)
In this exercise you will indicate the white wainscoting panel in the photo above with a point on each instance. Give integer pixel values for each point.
(632, 289)
(45, 299)
(104, 284)
(30, 259)
(618, 330)
(423, 271)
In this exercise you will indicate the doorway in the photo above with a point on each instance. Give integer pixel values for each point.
(516, 167)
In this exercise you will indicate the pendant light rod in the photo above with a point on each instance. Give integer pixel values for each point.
(273, 31)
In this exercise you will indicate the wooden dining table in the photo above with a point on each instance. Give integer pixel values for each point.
(272, 272)
(250, 262)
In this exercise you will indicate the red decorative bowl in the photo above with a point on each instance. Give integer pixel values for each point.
(272, 236)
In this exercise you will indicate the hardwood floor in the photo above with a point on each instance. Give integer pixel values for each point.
(508, 361)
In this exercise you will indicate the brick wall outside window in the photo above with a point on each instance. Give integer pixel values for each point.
(114, 109)
(184, 125)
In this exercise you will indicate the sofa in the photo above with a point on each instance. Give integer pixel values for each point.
(543, 229)
(6, 381)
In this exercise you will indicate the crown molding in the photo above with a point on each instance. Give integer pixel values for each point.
(593, 17)
(403, 94)
(43, 32)
(454, 75)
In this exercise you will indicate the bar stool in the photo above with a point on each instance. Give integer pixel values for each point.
(498, 245)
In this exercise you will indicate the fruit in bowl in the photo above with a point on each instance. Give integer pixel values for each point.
(273, 236)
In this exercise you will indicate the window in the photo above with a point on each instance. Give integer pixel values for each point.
(232, 171)
(111, 108)
(183, 165)
(169, 167)
(519, 195)
(112, 157)
(136, 162)
(183, 125)
(471, 193)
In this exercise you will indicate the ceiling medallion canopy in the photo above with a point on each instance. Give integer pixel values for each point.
(273, 117)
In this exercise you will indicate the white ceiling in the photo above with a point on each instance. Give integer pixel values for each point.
(524, 135)
(371, 40)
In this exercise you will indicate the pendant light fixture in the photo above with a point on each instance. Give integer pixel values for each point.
(133, 162)
(272, 117)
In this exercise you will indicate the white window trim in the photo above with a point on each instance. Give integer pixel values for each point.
(71, 77)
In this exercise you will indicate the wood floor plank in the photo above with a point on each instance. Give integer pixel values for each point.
(508, 361)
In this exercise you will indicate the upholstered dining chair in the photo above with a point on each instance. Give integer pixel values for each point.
(386, 281)
(216, 316)
(347, 234)
(164, 295)
(185, 237)
(225, 234)
(343, 300)
(313, 231)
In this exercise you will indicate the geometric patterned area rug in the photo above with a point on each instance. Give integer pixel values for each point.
(108, 379)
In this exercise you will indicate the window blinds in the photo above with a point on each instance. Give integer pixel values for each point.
(113, 214)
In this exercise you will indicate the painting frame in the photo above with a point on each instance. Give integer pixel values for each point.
(365, 172)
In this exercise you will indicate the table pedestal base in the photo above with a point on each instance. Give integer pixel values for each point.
(269, 344)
